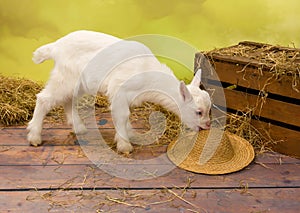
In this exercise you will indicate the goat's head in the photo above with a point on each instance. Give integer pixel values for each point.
(202, 101)
(188, 109)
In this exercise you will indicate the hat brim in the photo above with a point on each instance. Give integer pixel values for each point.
(242, 157)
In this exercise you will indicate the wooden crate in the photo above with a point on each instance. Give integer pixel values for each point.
(277, 103)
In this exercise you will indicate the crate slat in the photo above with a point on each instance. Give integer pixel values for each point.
(288, 140)
(251, 78)
(271, 109)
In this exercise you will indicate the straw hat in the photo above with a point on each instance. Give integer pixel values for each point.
(211, 152)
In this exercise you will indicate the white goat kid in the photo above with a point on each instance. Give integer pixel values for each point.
(73, 53)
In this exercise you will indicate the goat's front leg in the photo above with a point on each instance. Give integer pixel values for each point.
(121, 119)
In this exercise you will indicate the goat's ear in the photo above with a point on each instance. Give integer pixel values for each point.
(185, 93)
(197, 78)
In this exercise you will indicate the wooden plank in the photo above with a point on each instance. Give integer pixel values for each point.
(90, 176)
(275, 158)
(168, 200)
(288, 140)
(42, 155)
(137, 123)
(66, 154)
(272, 109)
(235, 73)
(50, 136)
(56, 134)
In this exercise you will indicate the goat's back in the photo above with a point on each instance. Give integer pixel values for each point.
(80, 45)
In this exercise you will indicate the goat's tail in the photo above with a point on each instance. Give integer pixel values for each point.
(42, 53)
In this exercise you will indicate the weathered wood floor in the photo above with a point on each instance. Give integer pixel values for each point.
(58, 177)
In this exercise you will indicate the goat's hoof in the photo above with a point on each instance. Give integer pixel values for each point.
(125, 148)
(34, 140)
(81, 130)
(69, 122)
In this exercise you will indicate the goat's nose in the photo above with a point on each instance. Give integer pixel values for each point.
(208, 123)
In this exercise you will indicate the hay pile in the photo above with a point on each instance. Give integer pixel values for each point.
(17, 99)
(173, 123)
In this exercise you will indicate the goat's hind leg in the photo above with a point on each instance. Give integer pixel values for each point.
(68, 112)
(131, 133)
(44, 104)
(121, 119)
(74, 119)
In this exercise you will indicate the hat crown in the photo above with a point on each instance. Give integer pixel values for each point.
(202, 146)
(215, 142)
(211, 151)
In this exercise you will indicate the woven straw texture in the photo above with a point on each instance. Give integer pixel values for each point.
(196, 152)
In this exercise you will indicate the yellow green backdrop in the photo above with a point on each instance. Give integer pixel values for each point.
(205, 24)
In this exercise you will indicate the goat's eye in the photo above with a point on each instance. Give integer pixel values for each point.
(199, 113)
